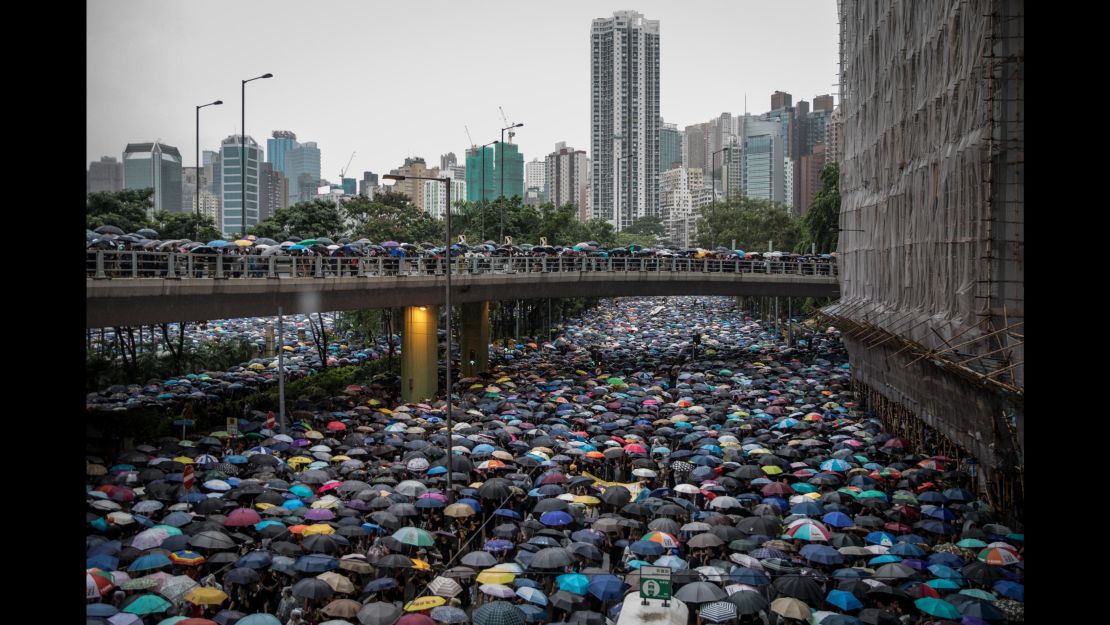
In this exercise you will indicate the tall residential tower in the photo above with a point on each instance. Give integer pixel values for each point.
(624, 117)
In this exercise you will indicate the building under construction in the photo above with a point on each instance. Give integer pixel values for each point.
(931, 249)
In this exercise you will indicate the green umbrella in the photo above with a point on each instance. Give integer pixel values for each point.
(937, 607)
(414, 536)
(615, 380)
(147, 604)
(171, 620)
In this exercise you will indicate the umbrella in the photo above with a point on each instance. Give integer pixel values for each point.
(203, 595)
(312, 588)
(449, 615)
(937, 607)
(718, 611)
(801, 587)
(790, 608)
(701, 592)
(146, 604)
(498, 613)
(844, 600)
(608, 587)
(378, 613)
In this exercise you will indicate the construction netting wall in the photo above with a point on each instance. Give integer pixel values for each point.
(931, 249)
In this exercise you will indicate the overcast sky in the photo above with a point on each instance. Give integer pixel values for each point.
(393, 79)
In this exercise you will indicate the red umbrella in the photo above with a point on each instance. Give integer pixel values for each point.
(921, 590)
(777, 488)
(897, 443)
(197, 621)
(337, 426)
(415, 618)
(635, 449)
(332, 485)
(898, 528)
(242, 517)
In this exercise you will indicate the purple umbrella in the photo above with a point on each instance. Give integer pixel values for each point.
(319, 514)
(391, 244)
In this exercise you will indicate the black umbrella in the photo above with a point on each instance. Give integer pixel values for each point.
(800, 587)
(379, 613)
(566, 601)
(616, 496)
(108, 230)
(312, 588)
(748, 602)
(551, 558)
(212, 540)
(241, 576)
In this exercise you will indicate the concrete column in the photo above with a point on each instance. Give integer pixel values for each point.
(270, 338)
(474, 339)
(419, 353)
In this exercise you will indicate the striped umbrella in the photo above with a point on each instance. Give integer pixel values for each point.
(444, 587)
(668, 541)
(499, 613)
(187, 558)
(808, 529)
(718, 611)
(414, 536)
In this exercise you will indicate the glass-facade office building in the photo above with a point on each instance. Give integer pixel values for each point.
(237, 217)
(154, 166)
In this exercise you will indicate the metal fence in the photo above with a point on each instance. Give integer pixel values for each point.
(110, 264)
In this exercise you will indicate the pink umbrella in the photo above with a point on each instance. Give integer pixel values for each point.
(319, 514)
(439, 496)
(242, 517)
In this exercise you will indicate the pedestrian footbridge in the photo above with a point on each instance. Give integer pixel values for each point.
(133, 288)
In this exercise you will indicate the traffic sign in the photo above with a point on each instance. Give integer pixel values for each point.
(270, 421)
(655, 582)
(187, 477)
(232, 427)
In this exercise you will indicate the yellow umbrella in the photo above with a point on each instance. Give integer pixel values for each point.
(587, 499)
(318, 528)
(424, 603)
(295, 460)
(458, 510)
(244, 243)
(313, 434)
(203, 595)
(288, 348)
(495, 577)
(263, 506)
(340, 458)
(772, 469)
(184, 460)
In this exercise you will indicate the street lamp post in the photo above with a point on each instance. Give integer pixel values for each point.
(197, 199)
(447, 303)
(482, 188)
(243, 155)
(501, 168)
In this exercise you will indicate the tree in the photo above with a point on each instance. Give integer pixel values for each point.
(391, 216)
(126, 210)
(649, 225)
(307, 220)
(751, 222)
(187, 225)
(821, 222)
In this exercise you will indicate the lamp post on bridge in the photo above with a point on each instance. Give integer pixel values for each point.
(243, 156)
(197, 198)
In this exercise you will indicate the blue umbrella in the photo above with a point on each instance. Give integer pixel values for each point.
(844, 600)
(907, 550)
(258, 619)
(149, 562)
(947, 559)
(100, 609)
(532, 613)
(255, 560)
(822, 554)
(504, 512)
(945, 572)
(556, 518)
(573, 582)
(102, 561)
(380, 584)
(607, 587)
(808, 508)
(316, 563)
(751, 577)
(498, 545)
(838, 519)
(880, 538)
(219, 243)
(1013, 590)
(646, 548)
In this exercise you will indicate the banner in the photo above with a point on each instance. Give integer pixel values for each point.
(633, 487)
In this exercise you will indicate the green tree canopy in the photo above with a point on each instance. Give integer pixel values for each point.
(127, 209)
(187, 225)
(820, 225)
(307, 220)
(649, 225)
(751, 222)
(391, 216)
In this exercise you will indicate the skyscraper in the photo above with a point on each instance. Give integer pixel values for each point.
(447, 161)
(535, 175)
(303, 159)
(157, 166)
(237, 217)
(764, 160)
(367, 184)
(670, 147)
(624, 116)
(414, 189)
(278, 146)
(274, 193)
(105, 175)
(567, 176)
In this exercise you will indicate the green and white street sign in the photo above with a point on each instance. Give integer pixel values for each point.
(655, 582)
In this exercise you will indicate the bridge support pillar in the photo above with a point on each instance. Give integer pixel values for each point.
(474, 339)
(419, 353)
(270, 337)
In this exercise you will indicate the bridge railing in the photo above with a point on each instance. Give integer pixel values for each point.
(112, 264)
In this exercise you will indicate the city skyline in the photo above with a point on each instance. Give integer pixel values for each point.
(317, 95)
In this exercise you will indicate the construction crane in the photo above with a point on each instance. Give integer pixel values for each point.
(508, 123)
(473, 146)
(344, 171)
